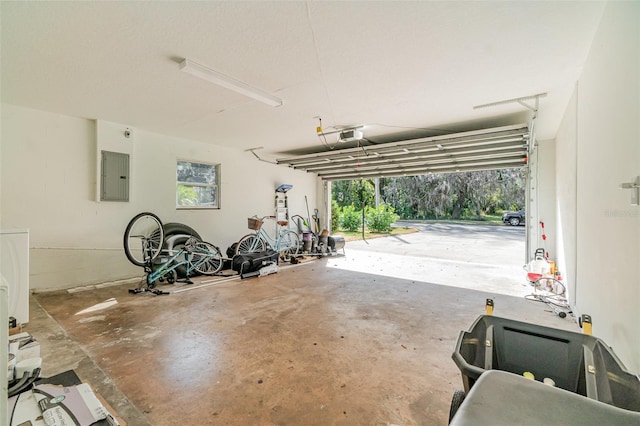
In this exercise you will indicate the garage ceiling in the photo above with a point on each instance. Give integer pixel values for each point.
(498, 148)
(402, 70)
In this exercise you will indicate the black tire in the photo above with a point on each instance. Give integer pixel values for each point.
(514, 221)
(143, 239)
(232, 250)
(456, 401)
(206, 258)
(289, 245)
(174, 228)
(175, 235)
(247, 245)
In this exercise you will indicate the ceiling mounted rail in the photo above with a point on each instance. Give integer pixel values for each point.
(415, 171)
(495, 148)
(442, 156)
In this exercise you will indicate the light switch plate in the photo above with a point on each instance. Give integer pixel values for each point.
(635, 190)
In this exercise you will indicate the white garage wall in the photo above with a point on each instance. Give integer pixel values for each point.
(542, 180)
(603, 123)
(566, 190)
(50, 172)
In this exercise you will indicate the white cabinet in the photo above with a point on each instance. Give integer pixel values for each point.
(14, 272)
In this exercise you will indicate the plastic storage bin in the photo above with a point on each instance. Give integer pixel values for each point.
(500, 398)
(576, 362)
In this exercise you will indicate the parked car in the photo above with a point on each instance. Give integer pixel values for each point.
(514, 218)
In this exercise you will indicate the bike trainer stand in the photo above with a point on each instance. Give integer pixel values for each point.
(145, 287)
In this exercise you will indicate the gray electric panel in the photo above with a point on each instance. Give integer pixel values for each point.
(114, 182)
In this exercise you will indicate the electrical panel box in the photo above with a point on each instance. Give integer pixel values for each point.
(114, 179)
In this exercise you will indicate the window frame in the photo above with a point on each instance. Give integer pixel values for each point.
(216, 185)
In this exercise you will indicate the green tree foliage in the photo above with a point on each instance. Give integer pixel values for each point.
(380, 219)
(335, 214)
(418, 197)
(465, 195)
(187, 196)
(354, 192)
(350, 218)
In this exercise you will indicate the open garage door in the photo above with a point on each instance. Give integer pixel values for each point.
(487, 149)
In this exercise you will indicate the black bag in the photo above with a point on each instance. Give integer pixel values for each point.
(231, 251)
(251, 262)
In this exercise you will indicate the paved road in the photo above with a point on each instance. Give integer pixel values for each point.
(481, 257)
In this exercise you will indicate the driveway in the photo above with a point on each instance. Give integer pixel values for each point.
(481, 257)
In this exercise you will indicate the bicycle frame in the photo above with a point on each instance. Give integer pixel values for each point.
(169, 266)
(286, 241)
(144, 242)
(271, 242)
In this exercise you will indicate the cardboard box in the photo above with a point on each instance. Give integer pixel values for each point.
(57, 406)
(15, 330)
(62, 406)
(24, 346)
(24, 409)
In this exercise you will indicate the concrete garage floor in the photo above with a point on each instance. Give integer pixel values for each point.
(315, 344)
(481, 257)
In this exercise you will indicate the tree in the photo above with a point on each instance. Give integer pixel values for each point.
(354, 192)
(418, 197)
(437, 196)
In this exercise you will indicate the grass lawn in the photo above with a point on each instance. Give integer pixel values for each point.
(485, 219)
(357, 235)
(495, 219)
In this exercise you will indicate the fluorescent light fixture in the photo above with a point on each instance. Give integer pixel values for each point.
(237, 86)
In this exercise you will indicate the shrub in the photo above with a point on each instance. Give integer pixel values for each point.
(335, 215)
(350, 218)
(380, 218)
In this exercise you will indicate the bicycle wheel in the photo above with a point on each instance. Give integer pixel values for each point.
(143, 239)
(205, 258)
(289, 245)
(250, 243)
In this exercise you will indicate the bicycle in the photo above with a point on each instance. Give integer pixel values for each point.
(286, 242)
(143, 240)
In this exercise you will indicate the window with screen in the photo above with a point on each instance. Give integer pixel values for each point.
(197, 185)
